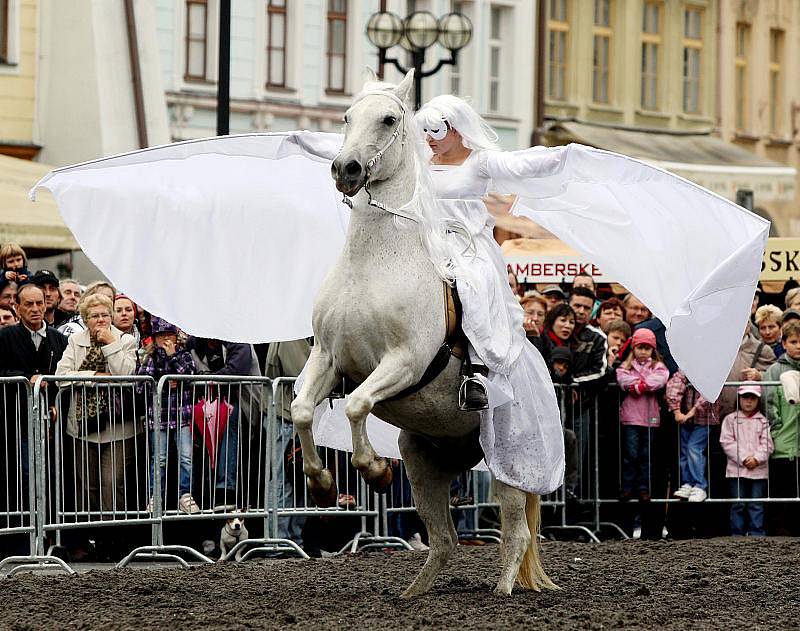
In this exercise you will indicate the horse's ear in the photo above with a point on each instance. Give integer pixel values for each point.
(405, 89)
(369, 75)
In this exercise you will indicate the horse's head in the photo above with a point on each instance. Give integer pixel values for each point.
(375, 128)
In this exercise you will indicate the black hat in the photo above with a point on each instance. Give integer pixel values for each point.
(44, 277)
(561, 354)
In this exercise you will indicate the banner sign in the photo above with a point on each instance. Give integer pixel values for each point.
(552, 269)
(781, 259)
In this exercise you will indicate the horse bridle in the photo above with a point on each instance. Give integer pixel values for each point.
(377, 158)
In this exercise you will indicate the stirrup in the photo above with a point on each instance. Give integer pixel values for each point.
(462, 394)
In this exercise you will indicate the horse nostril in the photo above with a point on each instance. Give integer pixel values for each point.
(352, 168)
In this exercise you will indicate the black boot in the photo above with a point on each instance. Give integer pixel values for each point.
(472, 395)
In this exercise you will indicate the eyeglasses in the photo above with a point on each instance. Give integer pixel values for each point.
(99, 316)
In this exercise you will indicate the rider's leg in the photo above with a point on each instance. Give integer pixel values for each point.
(472, 394)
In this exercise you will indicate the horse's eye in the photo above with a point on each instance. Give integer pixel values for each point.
(389, 121)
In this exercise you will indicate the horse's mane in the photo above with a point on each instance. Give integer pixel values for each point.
(446, 239)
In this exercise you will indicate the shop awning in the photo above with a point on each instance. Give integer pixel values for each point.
(36, 227)
(710, 162)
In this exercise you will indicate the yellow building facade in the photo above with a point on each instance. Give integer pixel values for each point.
(759, 87)
(18, 64)
(648, 78)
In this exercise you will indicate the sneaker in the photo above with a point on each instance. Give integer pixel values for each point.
(187, 504)
(416, 543)
(150, 505)
(637, 532)
(664, 533)
(684, 492)
(698, 495)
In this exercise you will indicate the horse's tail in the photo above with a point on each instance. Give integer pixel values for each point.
(531, 573)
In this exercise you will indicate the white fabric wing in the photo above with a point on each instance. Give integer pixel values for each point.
(691, 256)
(229, 237)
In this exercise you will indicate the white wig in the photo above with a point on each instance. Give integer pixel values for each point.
(476, 133)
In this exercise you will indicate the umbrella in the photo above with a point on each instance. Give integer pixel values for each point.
(211, 418)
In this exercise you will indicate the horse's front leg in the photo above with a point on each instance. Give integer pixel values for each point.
(320, 378)
(394, 374)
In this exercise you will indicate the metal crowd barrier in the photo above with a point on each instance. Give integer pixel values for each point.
(19, 491)
(292, 499)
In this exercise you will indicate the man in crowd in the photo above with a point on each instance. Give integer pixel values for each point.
(589, 368)
(214, 357)
(582, 279)
(48, 282)
(286, 359)
(554, 295)
(29, 349)
(7, 317)
(70, 296)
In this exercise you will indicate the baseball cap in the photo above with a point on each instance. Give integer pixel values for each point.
(554, 289)
(749, 388)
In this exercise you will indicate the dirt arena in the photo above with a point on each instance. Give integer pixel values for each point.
(719, 583)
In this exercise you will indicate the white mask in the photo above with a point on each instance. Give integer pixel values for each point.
(439, 133)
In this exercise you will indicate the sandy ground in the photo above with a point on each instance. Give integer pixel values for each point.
(700, 584)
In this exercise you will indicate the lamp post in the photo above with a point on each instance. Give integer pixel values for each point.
(418, 32)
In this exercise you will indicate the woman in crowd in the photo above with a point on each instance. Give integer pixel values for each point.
(95, 421)
(75, 324)
(559, 325)
(793, 299)
(535, 308)
(768, 321)
(125, 317)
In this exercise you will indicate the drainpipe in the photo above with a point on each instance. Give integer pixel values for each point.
(136, 74)
(538, 130)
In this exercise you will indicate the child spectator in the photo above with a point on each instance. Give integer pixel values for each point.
(14, 263)
(694, 415)
(746, 440)
(641, 375)
(783, 418)
(618, 333)
(165, 357)
(768, 321)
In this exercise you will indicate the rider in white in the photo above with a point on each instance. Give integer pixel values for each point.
(528, 427)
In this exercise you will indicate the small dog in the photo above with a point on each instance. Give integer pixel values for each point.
(232, 533)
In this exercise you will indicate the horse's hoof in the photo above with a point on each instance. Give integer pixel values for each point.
(383, 480)
(323, 489)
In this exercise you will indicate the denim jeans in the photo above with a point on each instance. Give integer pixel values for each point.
(227, 454)
(289, 527)
(182, 437)
(694, 440)
(752, 512)
(636, 457)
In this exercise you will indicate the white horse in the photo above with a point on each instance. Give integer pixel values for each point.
(379, 320)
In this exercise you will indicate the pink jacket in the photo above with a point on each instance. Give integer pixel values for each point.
(742, 436)
(641, 382)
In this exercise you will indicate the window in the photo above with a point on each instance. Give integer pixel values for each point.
(5, 32)
(558, 30)
(602, 51)
(196, 40)
(775, 79)
(651, 50)
(692, 58)
(741, 81)
(496, 33)
(337, 42)
(276, 44)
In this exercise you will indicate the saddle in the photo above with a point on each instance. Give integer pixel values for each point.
(454, 345)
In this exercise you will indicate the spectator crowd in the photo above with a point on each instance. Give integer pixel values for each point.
(657, 437)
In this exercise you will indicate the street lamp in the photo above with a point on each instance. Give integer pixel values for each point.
(418, 32)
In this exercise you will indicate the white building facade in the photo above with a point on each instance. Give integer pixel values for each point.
(295, 64)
